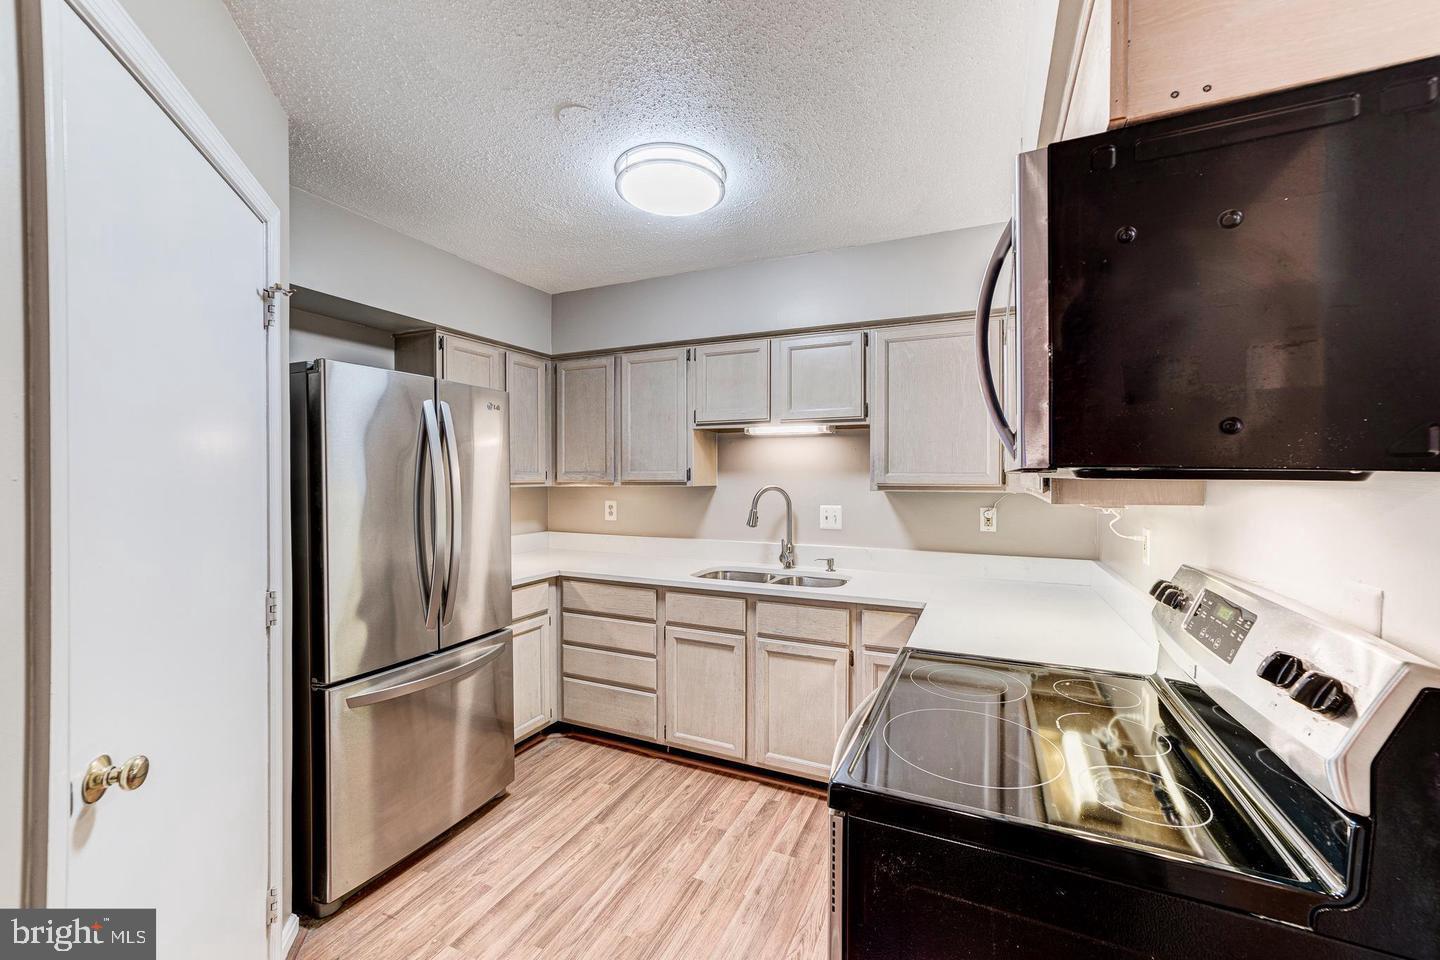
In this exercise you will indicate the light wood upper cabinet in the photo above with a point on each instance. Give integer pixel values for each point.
(471, 361)
(533, 665)
(585, 420)
(451, 357)
(820, 377)
(732, 382)
(529, 381)
(802, 698)
(928, 425)
(654, 417)
(705, 691)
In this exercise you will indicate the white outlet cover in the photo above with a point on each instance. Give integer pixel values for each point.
(830, 518)
(612, 510)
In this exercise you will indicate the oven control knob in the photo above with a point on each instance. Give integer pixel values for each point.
(1157, 586)
(1324, 695)
(1281, 669)
(1173, 596)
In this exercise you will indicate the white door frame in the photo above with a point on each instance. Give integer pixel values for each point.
(122, 36)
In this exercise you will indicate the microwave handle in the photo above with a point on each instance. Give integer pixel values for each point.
(982, 341)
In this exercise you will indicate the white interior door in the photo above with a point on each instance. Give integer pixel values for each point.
(161, 530)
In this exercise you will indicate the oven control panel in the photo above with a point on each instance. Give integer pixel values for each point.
(1220, 625)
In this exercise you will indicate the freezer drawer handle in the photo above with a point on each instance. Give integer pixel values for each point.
(424, 683)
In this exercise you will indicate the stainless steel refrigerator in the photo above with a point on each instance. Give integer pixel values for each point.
(401, 524)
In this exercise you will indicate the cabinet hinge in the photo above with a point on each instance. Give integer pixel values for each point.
(271, 295)
(272, 906)
(272, 608)
(852, 658)
(687, 474)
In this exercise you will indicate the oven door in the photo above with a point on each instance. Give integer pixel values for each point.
(1026, 436)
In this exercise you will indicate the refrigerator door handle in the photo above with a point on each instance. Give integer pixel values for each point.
(455, 517)
(982, 342)
(451, 675)
(428, 455)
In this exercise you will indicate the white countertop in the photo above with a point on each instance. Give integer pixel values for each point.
(1067, 612)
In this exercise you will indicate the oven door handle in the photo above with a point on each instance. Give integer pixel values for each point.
(852, 726)
(982, 340)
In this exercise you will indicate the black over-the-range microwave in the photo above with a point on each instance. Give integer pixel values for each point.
(1249, 290)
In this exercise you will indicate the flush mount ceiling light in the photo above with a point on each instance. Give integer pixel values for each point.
(669, 179)
(790, 430)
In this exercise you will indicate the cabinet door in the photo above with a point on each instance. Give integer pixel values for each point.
(820, 377)
(470, 361)
(732, 382)
(585, 420)
(654, 417)
(802, 697)
(928, 426)
(533, 659)
(705, 691)
(529, 387)
(870, 671)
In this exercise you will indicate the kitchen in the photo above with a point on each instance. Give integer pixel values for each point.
(656, 478)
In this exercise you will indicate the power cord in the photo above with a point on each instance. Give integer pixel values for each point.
(1115, 518)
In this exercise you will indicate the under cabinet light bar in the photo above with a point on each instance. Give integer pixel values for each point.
(790, 430)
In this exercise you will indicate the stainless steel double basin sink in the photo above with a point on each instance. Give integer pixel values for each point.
(765, 578)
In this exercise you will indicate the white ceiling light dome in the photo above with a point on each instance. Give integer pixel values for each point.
(669, 179)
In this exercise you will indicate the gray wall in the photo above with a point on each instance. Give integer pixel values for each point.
(339, 252)
(919, 276)
(824, 470)
(12, 470)
(1362, 552)
(313, 336)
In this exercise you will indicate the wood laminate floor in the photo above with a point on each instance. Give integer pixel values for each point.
(605, 852)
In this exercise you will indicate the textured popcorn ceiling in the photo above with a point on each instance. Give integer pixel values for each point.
(490, 129)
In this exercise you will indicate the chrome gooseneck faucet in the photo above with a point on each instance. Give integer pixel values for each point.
(787, 542)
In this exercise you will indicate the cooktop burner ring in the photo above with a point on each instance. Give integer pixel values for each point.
(1147, 738)
(1120, 699)
(1196, 802)
(1033, 737)
(929, 681)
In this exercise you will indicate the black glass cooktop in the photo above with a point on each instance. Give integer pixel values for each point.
(1091, 754)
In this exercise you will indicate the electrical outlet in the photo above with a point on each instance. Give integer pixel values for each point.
(1145, 547)
(612, 511)
(830, 518)
(989, 519)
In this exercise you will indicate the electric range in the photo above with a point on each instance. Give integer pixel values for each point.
(1272, 790)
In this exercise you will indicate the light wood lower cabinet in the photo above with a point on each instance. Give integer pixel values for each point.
(802, 698)
(533, 666)
(871, 666)
(705, 691)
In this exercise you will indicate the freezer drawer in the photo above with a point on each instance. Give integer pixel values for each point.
(410, 752)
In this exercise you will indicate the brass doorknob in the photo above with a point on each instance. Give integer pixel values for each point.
(102, 775)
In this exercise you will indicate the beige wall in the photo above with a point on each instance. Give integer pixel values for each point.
(1363, 552)
(529, 510)
(816, 471)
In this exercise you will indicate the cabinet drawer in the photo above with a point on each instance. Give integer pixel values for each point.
(706, 610)
(886, 629)
(610, 598)
(617, 709)
(802, 622)
(625, 635)
(530, 600)
(606, 666)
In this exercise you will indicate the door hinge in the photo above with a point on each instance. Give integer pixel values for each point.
(272, 906)
(271, 295)
(272, 608)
